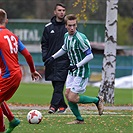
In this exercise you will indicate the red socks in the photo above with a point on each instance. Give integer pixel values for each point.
(7, 111)
(2, 126)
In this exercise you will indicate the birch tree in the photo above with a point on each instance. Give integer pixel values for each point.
(109, 60)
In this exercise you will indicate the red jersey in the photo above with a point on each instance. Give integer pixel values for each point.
(11, 74)
(9, 46)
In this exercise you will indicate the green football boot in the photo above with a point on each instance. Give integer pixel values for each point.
(15, 122)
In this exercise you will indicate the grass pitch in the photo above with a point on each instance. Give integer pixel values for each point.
(113, 121)
(35, 93)
(116, 122)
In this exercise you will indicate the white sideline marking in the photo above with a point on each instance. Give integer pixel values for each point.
(71, 115)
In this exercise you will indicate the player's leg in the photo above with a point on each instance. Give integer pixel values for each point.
(74, 109)
(97, 100)
(52, 108)
(70, 96)
(76, 112)
(2, 126)
(55, 98)
(11, 87)
(73, 98)
(13, 122)
(87, 99)
(7, 111)
(58, 96)
(80, 87)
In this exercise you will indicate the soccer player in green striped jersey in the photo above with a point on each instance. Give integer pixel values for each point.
(78, 48)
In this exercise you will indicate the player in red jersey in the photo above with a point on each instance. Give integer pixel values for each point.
(11, 74)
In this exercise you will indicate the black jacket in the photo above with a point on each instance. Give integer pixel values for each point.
(52, 41)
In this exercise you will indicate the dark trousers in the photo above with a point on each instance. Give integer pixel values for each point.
(58, 97)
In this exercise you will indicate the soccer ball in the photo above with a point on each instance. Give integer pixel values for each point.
(34, 117)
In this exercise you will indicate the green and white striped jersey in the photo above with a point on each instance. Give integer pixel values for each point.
(75, 46)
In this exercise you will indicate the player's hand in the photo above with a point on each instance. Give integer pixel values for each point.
(35, 76)
(48, 61)
(72, 68)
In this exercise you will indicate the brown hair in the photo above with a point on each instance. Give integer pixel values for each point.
(70, 17)
(3, 16)
(59, 4)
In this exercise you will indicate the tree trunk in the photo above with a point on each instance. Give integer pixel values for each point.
(109, 60)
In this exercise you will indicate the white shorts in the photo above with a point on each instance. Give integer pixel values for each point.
(76, 84)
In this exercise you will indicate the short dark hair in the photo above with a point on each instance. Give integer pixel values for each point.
(59, 4)
(70, 17)
(3, 16)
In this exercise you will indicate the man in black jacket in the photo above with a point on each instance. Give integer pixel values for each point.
(52, 41)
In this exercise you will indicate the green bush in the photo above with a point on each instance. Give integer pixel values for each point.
(125, 31)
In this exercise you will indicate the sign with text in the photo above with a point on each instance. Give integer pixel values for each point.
(30, 32)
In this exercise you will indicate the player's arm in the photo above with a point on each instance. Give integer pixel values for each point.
(59, 53)
(29, 60)
(53, 57)
(88, 57)
(86, 48)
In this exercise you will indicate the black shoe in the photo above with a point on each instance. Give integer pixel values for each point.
(51, 110)
(62, 110)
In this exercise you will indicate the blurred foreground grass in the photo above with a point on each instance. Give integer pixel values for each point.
(37, 93)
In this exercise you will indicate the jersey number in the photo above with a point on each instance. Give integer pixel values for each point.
(12, 43)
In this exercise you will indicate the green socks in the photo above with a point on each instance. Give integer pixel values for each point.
(83, 100)
(87, 99)
(75, 110)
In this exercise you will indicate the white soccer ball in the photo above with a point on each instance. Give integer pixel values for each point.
(34, 117)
